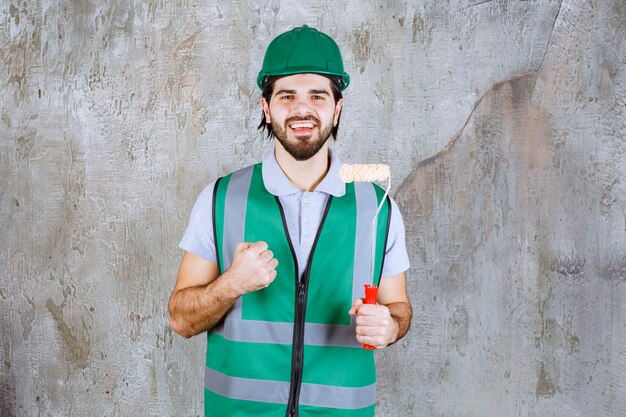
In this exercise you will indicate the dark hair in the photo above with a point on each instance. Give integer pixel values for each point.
(268, 90)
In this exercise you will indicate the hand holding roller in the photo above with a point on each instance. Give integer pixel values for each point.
(369, 172)
(371, 295)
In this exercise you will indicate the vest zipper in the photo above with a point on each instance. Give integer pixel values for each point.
(297, 347)
(302, 286)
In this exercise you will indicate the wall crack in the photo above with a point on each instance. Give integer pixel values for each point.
(558, 12)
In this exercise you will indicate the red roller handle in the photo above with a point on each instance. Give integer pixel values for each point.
(371, 295)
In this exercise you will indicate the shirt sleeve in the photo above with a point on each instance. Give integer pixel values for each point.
(198, 238)
(396, 256)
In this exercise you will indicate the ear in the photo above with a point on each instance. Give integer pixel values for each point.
(266, 110)
(338, 107)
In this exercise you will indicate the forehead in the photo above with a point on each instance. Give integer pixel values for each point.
(302, 82)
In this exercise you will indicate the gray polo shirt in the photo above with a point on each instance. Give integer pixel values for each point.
(303, 213)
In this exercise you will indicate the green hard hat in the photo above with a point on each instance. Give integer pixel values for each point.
(303, 50)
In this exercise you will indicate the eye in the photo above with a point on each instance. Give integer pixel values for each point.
(317, 97)
(286, 97)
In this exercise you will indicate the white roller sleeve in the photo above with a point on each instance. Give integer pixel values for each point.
(364, 172)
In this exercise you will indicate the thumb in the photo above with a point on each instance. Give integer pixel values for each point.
(356, 303)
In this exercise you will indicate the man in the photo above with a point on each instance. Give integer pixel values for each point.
(276, 256)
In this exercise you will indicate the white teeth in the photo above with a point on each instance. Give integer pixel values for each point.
(301, 125)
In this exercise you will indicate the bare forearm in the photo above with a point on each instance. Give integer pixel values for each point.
(401, 312)
(194, 310)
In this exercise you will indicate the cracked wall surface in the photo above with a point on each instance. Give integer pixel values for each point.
(503, 122)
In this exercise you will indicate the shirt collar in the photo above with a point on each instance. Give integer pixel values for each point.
(277, 183)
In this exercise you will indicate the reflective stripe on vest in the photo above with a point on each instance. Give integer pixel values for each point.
(253, 355)
(278, 392)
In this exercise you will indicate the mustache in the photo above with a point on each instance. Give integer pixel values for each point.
(309, 118)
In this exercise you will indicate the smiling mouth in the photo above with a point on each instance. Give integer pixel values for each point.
(302, 127)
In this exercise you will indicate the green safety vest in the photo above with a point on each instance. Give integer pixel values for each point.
(290, 349)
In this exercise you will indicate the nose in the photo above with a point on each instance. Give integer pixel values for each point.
(301, 107)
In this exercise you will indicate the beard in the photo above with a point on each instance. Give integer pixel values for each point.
(302, 149)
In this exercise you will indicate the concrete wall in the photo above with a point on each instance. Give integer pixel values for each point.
(504, 124)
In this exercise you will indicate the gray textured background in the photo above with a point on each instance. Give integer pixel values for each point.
(504, 125)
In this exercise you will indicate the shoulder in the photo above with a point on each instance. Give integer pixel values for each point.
(394, 207)
(206, 195)
(242, 174)
(209, 189)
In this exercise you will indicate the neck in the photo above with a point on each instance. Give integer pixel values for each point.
(306, 175)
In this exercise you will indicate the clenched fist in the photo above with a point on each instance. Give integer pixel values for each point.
(253, 268)
(374, 324)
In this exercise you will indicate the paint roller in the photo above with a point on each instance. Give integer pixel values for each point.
(361, 173)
